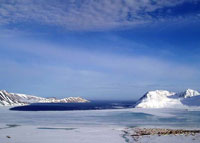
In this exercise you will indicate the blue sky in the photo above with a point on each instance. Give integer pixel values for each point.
(99, 49)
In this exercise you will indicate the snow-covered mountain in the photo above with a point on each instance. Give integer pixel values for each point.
(166, 99)
(7, 99)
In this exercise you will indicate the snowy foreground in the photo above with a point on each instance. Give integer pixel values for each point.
(102, 126)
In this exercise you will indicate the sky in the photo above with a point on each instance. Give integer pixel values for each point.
(99, 49)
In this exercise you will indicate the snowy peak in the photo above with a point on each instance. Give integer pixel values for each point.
(156, 99)
(167, 99)
(189, 93)
(7, 99)
(73, 100)
(158, 93)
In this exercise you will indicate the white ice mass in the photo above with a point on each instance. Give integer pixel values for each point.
(7, 99)
(166, 99)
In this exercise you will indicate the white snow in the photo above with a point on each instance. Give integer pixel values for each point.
(7, 99)
(165, 99)
(91, 126)
(189, 93)
(31, 134)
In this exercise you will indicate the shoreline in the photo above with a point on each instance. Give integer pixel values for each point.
(157, 135)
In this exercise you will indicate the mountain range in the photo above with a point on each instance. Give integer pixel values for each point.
(167, 99)
(15, 99)
(152, 99)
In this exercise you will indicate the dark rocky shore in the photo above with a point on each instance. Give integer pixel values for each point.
(158, 131)
(137, 133)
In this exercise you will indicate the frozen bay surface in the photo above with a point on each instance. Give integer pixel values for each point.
(89, 126)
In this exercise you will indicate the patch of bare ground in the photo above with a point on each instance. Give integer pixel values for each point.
(137, 133)
(157, 131)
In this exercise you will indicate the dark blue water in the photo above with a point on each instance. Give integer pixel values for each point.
(93, 105)
(91, 114)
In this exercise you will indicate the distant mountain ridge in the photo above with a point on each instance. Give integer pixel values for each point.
(14, 99)
(167, 99)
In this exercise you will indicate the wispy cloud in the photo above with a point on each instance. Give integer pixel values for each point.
(87, 14)
(48, 69)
